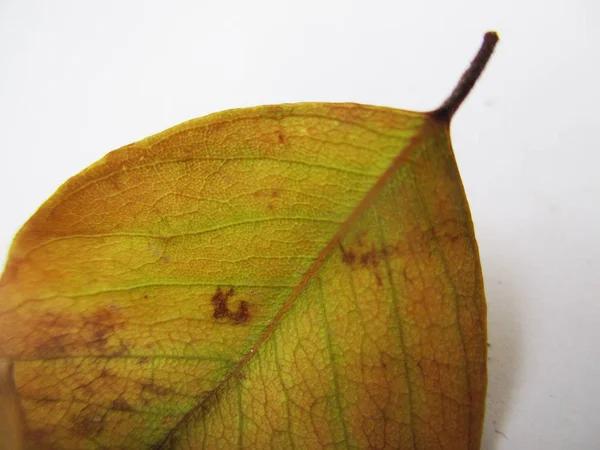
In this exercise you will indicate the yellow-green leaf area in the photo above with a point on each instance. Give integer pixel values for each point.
(291, 276)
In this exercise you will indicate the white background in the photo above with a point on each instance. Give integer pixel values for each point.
(80, 78)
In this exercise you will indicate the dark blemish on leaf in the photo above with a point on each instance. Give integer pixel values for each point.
(281, 138)
(449, 231)
(221, 309)
(57, 335)
(143, 360)
(348, 257)
(219, 301)
(242, 314)
(366, 259)
(40, 437)
(88, 423)
(155, 389)
(275, 194)
(357, 255)
(100, 337)
(51, 348)
(362, 254)
(120, 404)
(370, 258)
(100, 328)
(52, 333)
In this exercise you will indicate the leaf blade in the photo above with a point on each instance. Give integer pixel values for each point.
(103, 332)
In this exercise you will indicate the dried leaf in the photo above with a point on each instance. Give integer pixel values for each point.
(291, 276)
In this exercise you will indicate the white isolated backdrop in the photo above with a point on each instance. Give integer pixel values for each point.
(78, 79)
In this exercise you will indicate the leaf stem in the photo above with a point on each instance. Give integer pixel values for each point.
(469, 78)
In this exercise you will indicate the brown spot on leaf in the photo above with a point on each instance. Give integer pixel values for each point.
(57, 335)
(120, 404)
(88, 422)
(358, 256)
(99, 329)
(154, 389)
(348, 256)
(221, 309)
(370, 258)
(281, 138)
(219, 301)
(38, 438)
(365, 255)
(51, 347)
(52, 333)
(242, 314)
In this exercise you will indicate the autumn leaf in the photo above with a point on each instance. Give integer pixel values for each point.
(291, 276)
